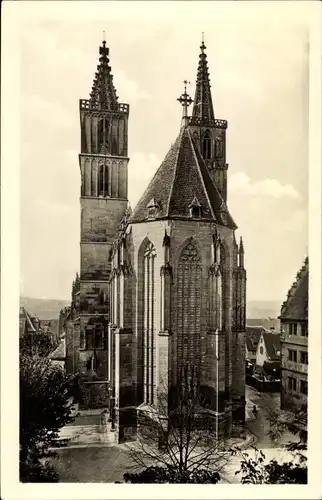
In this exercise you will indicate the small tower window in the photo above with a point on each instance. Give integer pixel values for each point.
(206, 145)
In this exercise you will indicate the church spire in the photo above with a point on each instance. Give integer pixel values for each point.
(103, 93)
(203, 111)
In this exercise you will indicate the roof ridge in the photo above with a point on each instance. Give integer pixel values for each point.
(151, 181)
(174, 170)
(201, 176)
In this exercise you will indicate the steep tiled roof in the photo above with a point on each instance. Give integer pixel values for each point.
(273, 345)
(296, 305)
(181, 177)
(253, 334)
(25, 322)
(60, 352)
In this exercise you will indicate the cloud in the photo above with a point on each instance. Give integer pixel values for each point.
(129, 89)
(142, 167)
(242, 185)
(37, 109)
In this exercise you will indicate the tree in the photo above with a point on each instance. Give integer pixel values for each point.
(254, 470)
(37, 343)
(45, 406)
(294, 422)
(177, 440)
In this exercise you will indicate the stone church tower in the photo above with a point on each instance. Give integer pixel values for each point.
(177, 282)
(103, 162)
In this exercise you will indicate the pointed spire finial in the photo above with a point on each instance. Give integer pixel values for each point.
(185, 100)
(202, 46)
(104, 39)
(203, 112)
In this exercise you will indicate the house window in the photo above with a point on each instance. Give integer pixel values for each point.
(304, 330)
(293, 328)
(304, 357)
(303, 387)
(291, 384)
(261, 350)
(292, 355)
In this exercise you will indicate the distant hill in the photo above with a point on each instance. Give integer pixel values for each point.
(43, 308)
(265, 322)
(49, 308)
(263, 309)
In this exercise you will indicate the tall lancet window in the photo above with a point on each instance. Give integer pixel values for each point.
(149, 336)
(206, 145)
(218, 288)
(222, 285)
(188, 307)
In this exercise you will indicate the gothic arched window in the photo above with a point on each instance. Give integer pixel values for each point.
(206, 145)
(114, 148)
(101, 180)
(189, 307)
(100, 134)
(149, 336)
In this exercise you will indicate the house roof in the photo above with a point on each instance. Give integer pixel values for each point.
(26, 322)
(50, 325)
(273, 345)
(60, 352)
(296, 305)
(253, 334)
(181, 178)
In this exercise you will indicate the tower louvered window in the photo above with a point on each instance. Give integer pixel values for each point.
(206, 146)
(149, 338)
(188, 307)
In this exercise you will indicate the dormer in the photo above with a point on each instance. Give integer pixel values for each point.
(152, 208)
(195, 209)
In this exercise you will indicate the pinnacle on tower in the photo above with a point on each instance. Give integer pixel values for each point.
(185, 100)
(241, 253)
(103, 93)
(203, 111)
(241, 246)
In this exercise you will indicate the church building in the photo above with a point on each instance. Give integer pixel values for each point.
(165, 285)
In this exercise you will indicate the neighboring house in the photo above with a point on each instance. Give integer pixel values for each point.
(27, 323)
(268, 354)
(32, 326)
(267, 323)
(252, 337)
(294, 338)
(58, 355)
(50, 326)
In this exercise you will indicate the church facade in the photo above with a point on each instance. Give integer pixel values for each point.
(165, 285)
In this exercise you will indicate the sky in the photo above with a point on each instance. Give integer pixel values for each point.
(258, 62)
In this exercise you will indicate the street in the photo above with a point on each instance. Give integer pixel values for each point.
(259, 424)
